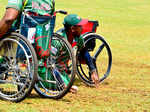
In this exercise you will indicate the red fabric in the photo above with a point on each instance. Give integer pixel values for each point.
(88, 27)
(74, 44)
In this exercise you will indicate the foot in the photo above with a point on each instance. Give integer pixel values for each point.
(95, 78)
(2, 76)
(22, 66)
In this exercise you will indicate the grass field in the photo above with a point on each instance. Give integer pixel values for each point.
(125, 24)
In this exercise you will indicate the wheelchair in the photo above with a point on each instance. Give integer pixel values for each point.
(100, 52)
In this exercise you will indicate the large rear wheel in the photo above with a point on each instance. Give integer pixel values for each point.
(18, 67)
(56, 74)
(101, 56)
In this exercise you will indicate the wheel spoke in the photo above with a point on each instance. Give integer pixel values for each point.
(11, 82)
(98, 51)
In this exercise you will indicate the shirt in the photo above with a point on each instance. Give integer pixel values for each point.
(42, 7)
(79, 41)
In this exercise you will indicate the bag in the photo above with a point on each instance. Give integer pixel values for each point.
(43, 38)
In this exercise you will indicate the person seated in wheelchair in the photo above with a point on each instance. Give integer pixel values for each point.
(72, 32)
(15, 8)
(39, 10)
(14, 19)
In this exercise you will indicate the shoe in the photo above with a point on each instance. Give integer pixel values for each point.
(95, 78)
(3, 68)
(22, 66)
(2, 76)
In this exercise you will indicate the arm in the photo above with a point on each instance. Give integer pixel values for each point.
(7, 20)
(88, 59)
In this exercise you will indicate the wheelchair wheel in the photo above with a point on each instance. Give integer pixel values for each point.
(16, 71)
(101, 55)
(60, 69)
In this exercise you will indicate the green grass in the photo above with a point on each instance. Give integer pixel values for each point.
(125, 25)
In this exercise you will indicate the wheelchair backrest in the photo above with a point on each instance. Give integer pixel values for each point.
(91, 26)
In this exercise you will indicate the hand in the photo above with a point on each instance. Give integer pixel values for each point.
(95, 78)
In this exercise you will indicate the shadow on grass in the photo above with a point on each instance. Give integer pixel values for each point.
(78, 82)
(36, 96)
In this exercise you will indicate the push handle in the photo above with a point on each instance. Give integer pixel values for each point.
(62, 12)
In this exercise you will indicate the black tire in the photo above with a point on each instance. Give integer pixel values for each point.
(45, 87)
(102, 61)
(19, 71)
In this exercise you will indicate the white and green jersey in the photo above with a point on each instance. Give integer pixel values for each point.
(41, 7)
(78, 40)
